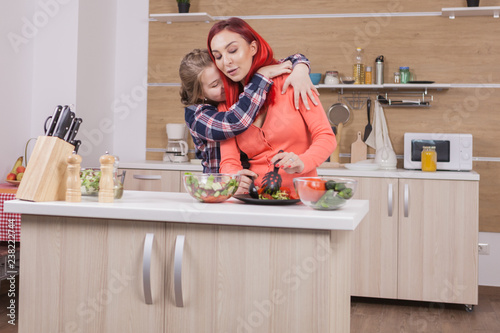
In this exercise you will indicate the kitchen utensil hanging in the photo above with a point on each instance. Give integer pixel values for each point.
(368, 127)
(338, 115)
(356, 102)
(405, 99)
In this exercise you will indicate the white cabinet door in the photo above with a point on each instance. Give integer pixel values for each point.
(375, 241)
(438, 237)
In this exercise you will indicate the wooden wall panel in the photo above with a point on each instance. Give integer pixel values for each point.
(463, 50)
(265, 7)
(489, 212)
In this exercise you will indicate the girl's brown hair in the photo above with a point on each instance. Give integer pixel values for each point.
(192, 65)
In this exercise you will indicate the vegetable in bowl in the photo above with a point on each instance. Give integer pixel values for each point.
(90, 178)
(90, 181)
(211, 188)
(324, 193)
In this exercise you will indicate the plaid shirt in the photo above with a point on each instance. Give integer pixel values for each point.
(208, 126)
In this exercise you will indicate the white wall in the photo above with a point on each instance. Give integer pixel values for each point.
(16, 69)
(95, 77)
(129, 103)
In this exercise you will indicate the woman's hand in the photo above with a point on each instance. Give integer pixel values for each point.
(302, 86)
(246, 179)
(289, 162)
(276, 70)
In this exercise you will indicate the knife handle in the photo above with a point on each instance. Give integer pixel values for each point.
(77, 144)
(54, 118)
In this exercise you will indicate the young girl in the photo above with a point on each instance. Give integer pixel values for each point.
(202, 90)
(305, 137)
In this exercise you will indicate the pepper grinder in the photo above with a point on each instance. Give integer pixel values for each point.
(73, 182)
(106, 183)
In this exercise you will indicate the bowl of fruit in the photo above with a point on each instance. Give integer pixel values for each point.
(211, 188)
(324, 193)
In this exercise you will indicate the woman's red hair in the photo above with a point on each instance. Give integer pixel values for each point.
(263, 57)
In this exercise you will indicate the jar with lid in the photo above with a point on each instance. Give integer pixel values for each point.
(404, 72)
(429, 159)
(368, 75)
(332, 77)
(397, 77)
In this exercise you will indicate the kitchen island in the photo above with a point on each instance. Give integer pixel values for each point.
(162, 262)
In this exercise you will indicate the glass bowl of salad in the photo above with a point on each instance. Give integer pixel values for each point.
(90, 182)
(324, 193)
(211, 188)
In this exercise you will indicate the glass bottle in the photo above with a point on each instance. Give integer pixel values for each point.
(396, 77)
(429, 158)
(332, 77)
(368, 75)
(404, 73)
(359, 68)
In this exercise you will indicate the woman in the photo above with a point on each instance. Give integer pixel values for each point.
(305, 137)
(202, 90)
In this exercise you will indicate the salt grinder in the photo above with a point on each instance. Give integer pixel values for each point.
(106, 183)
(73, 182)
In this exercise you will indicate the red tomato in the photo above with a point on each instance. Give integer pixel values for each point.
(267, 196)
(285, 190)
(316, 184)
(312, 190)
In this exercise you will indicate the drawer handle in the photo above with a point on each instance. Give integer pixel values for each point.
(146, 268)
(147, 177)
(389, 200)
(179, 252)
(407, 199)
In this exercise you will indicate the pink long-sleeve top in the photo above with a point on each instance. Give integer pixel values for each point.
(307, 133)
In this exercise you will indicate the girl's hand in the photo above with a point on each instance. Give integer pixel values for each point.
(246, 179)
(302, 86)
(276, 70)
(289, 162)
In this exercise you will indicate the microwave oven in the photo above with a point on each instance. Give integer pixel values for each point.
(454, 150)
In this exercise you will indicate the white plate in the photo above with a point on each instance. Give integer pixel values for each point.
(362, 166)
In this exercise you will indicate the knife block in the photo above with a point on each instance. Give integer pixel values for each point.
(45, 175)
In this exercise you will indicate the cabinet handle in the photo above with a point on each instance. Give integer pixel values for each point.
(146, 268)
(179, 252)
(407, 199)
(389, 200)
(147, 177)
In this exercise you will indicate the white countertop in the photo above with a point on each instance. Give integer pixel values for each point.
(340, 172)
(180, 207)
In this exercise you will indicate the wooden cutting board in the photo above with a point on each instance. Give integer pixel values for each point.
(358, 150)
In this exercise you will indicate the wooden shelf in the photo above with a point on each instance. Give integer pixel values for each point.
(204, 17)
(181, 17)
(393, 86)
(471, 11)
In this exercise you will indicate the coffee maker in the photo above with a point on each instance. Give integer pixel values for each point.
(177, 147)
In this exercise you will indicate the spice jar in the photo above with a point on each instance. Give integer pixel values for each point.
(429, 158)
(332, 77)
(404, 72)
(396, 77)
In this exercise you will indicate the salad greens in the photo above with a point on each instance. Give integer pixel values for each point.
(90, 181)
(212, 190)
